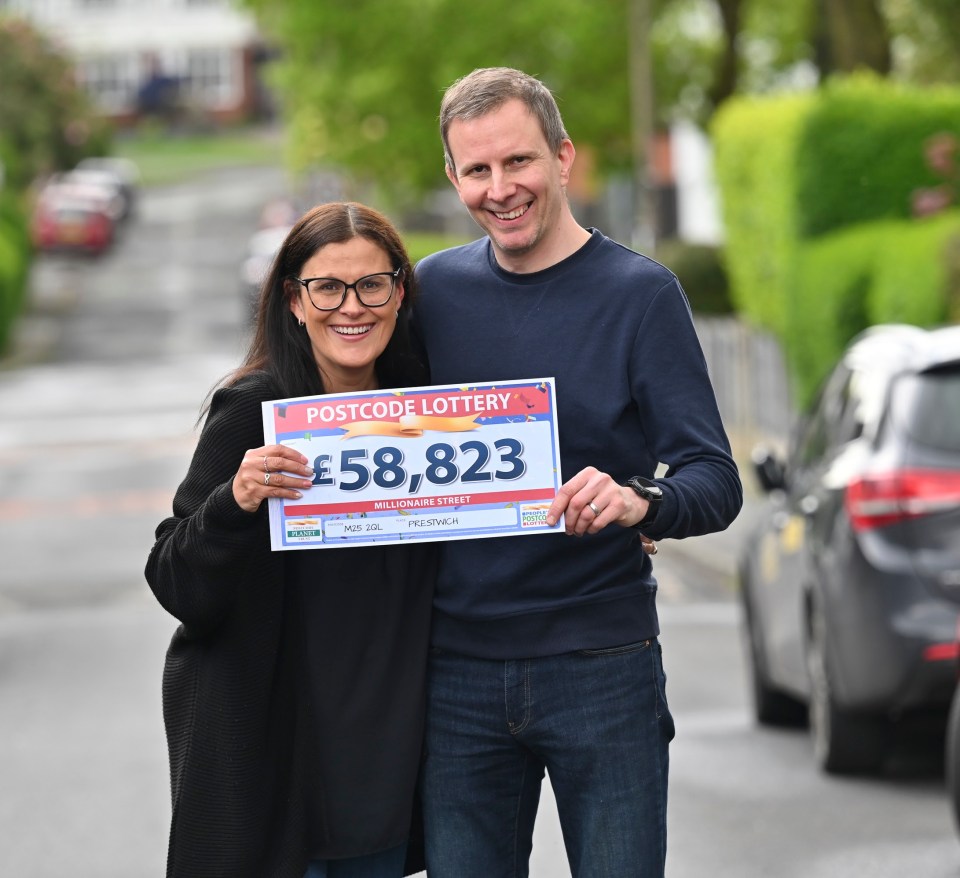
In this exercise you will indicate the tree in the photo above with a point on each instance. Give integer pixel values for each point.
(361, 82)
(47, 122)
(850, 35)
(927, 45)
(360, 86)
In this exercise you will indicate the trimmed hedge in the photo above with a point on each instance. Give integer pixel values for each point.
(754, 153)
(15, 253)
(827, 301)
(860, 152)
(891, 271)
(912, 274)
(817, 193)
(699, 268)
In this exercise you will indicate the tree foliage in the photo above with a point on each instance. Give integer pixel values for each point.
(361, 83)
(47, 122)
(926, 44)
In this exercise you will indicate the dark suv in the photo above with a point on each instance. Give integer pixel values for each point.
(851, 583)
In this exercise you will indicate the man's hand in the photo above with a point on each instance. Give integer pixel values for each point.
(591, 500)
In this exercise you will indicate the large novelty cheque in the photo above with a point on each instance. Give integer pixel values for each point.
(425, 463)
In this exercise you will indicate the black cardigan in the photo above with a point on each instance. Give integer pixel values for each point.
(239, 739)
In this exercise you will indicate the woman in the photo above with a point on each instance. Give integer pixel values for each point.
(293, 688)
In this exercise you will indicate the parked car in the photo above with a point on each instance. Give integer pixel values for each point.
(109, 185)
(851, 583)
(73, 216)
(120, 172)
(952, 759)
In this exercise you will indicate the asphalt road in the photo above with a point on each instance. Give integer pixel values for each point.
(100, 400)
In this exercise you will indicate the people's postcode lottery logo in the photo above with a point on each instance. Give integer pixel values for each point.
(533, 514)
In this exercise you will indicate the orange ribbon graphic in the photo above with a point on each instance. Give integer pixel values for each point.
(411, 426)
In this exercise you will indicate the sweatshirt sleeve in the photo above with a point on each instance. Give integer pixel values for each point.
(702, 491)
(203, 550)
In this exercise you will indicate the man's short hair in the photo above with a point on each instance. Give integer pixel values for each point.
(487, 89)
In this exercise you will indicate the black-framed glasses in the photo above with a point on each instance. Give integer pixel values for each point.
(329, 293)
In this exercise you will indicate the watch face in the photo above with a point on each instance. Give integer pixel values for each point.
(652, 494)
(648, 492)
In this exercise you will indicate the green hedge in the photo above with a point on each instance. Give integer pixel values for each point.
(701, 273)
(816, 193)
(14, 263)
(860, 152)
(891, 271)
(827, 301)
(754, 151)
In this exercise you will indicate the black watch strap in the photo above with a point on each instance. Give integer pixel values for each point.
(651, 492)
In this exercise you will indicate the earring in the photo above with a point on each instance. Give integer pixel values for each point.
(300, 322)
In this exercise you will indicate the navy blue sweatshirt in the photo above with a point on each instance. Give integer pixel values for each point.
(614, 329)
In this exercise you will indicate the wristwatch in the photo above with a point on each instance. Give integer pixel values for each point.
(650, 491)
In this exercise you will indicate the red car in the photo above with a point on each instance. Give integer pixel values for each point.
(72, 217)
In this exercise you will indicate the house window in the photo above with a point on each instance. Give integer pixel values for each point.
(211, 77)
(111, 80)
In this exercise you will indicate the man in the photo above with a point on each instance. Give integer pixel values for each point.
(545, 647)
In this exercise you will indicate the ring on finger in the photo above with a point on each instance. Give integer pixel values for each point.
(266, 469)
(595, 508)
(653, 549)
(266, 479)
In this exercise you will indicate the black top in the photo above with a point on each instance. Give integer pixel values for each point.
(365, 616)
(615, 332)
(269, 684)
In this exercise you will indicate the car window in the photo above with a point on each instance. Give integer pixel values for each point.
(864, 396)
(819, 430)
(850, 410)
(927, 408)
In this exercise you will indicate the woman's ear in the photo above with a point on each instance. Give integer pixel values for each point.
(294, 303)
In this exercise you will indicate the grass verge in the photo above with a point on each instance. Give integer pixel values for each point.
(170, 157)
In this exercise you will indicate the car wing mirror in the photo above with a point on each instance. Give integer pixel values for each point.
(769, 469)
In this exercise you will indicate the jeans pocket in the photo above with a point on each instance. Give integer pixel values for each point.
(625, 649)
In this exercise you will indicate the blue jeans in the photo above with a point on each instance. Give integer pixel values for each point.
(596, 720)
(386, 864)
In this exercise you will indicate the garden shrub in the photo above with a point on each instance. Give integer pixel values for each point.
(818, 195)
(701, 273)
(15, 252)
(861, 151)
(754, 143)
(912, 274)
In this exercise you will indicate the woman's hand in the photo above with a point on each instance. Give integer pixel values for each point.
(270, 471)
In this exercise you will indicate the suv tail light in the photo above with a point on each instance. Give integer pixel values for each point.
(878, 500)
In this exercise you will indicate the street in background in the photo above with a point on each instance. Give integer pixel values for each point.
(99, 428)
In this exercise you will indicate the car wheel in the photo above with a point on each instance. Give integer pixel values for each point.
(953, 757)
(771, 707)
(843, 742)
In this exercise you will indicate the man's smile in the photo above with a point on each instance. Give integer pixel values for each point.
(516, 213)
